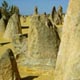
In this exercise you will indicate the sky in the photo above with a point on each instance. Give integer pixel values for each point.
(26, 7)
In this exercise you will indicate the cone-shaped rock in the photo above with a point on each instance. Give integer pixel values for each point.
(35, 10)
(42, 43)
(8, 67)
(60, 10)
(13, 27)
(2, 26)
(68, 60)
(53, 13)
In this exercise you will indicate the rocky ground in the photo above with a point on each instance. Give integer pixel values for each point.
(24, 70)
(41, 46)
(29, 45)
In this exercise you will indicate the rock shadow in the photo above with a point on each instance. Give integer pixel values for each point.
(29, 78)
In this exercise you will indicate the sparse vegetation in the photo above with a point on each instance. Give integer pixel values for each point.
(7, 11)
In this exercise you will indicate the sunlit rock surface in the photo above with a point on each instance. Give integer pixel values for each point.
(13, 27)
(2, 27)
(6, 72)
(68, 60)
(43, 43)
(36, 54)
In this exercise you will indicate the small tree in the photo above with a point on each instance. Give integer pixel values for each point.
(5, 11)
(14, 9)
(5, 5)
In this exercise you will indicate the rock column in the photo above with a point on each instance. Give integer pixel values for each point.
(68, 60)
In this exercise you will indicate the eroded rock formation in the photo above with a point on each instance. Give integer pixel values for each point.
(35, 10)
(68, 61)
(8, 67)
(43, 43)
(20, 47)
(13, 27)
(53, 13)
(2, 27)
(57, 16)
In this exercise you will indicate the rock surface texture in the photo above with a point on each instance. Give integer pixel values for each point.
(8, 67)
(57, 16)
(43, 43)
(68, 60)
(13, 27)
(2, 26)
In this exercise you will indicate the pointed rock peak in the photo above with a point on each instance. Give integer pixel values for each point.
(68, 60)
(2, 27)
(7, 69)
(60, 10)
(54, 9)
(35, 10)
(42, 43)
(13, 27)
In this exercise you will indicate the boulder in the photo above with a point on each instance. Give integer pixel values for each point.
(43, 43)
(20, 47)
(13, 27)
(8, 67)
(68, 60)
(53, 13)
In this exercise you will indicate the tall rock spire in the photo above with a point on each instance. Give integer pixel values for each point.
(2, 27)
(13, 27)
(43, 43)
(68, 60)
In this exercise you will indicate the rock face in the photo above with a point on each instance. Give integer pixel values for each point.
(13, 27)
(35, 10)
(59, 19)
(20, 47)
(57, 16)
(53, 13)
(0, 13)
(5, 67)
(68, 61)
(2, 26)
(8, 67)
(42, 43)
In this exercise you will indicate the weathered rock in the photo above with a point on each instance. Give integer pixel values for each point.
(57, 16)
(20, 47)
(43, 17)
(42, 43)
(5, 67)
(35, 10)
(4, 13)
(2, 27)
(68, 60)
(13, 27)
(53, 13)
(45, 14)
(60, 15)
(49, 23)
(60, 10)
(0, 13)
(14, 9)
(8, 67)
